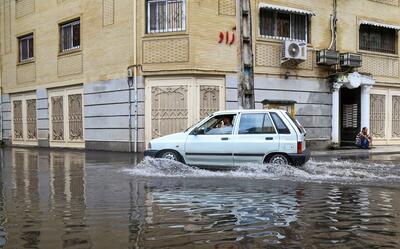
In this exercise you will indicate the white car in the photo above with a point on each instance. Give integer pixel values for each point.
(235, 137)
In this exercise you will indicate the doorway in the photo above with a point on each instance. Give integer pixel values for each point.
(350, 115)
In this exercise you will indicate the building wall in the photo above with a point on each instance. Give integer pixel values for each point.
(107, 49)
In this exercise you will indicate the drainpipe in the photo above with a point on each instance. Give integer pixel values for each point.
(132, 82)
(333, 26)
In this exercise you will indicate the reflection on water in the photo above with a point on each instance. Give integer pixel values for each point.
(55, 199)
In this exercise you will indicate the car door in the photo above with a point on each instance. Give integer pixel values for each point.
(287, 135)
(211, 144)
(256, 136)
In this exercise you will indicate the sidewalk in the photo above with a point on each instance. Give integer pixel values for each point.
(394, 149)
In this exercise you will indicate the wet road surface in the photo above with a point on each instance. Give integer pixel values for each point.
(73, 199)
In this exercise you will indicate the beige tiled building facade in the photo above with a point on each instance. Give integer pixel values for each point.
(111, 75)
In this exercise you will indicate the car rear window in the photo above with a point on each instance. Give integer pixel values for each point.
(298, 125)
(279, 124)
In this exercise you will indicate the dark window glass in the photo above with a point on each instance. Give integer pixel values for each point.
(70, 35)
(268, 127)
(267, 22)
(298, 125)
(256, 124)
(377, 39)
(25, 47)
(251, 124)
(218, 125)
(76, 35)
(283, 24)
(165, 16)
(279, 124)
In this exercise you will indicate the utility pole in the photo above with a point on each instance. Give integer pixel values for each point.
(245, 55)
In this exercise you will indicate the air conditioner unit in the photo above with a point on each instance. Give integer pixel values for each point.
(350, 60)
(294, 51)
(328, 57)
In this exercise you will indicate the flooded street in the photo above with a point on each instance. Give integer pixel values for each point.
(73, 199)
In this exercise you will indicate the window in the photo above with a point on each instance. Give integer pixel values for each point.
(256, 124)
(70, 35)
(377, 39)
(165, 16)
(279, 124)
(283, 25)
(25, 48)
(298, 125)
(218, 125)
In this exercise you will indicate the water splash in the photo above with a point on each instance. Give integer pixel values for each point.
(332, 171)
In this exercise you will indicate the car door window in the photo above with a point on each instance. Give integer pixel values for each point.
(279, 124)
(259, 123)
(218, 125)
(268, 126)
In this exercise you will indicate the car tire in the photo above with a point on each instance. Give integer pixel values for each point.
(280, 159)
(171, 155)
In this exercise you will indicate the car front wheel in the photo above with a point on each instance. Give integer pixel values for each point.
(278, 159)
(170, 155)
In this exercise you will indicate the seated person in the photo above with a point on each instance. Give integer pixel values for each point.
(363, 139)
(222, 126)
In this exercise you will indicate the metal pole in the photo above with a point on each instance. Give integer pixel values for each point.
(136, 112)
(130, 115)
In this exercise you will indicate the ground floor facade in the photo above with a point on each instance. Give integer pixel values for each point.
(111, 115)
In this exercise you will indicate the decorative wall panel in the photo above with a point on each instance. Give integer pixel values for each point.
(395, 116)
(377, 115)
(227, 7)
(57, 118)
(24, 7)
(166, 50)
(108, 12)
(269, 55)
(31, 119)
(209, 100)
(380, 66)
(70, 64)
(388, 2)
(169, 109)
(18, 120)
(26, 73)
(75, 117)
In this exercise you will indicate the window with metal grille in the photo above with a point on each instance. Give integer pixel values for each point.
(378, 39)
(25, 48)
(70, 35)
(165, 16)
(283, 25)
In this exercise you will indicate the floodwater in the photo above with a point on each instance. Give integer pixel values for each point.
(72, 199)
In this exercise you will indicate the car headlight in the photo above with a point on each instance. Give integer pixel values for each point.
(149, 146)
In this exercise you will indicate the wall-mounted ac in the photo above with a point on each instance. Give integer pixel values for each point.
(328, 57)
(350, 60)
(295, 51)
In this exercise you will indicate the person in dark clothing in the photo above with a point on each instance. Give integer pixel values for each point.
(363, 139)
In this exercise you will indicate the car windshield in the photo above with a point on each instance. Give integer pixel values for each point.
(298, 125)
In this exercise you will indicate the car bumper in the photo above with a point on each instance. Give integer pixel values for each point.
(150, 153)
(300, 159)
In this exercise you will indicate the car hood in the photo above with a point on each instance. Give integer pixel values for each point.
(171, 137)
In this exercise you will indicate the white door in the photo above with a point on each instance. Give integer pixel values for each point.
(24, 123)
(66, 118)
(174, 104)
(255, 138)
(212, 144)
(385, 116)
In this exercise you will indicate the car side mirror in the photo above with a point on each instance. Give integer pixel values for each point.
(200, 131)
